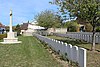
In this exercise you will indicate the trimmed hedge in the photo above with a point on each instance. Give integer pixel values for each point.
(3, 36)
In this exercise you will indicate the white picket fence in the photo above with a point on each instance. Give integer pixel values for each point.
(86, 36)
(74, 53)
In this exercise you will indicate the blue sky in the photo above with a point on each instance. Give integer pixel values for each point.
(23, 10)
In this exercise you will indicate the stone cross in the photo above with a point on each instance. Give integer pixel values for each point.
(10, 26)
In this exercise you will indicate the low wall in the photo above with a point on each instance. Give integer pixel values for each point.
(57, 30)
(27, 34)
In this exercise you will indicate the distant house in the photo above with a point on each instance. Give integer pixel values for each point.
(2, 28)
(24, 26)
(81, 25)
(28, 28)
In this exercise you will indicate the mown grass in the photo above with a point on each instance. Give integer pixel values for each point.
(93, 58)
(30, 53)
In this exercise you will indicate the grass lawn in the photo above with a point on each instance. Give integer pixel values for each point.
(30, 53)
(93, 58)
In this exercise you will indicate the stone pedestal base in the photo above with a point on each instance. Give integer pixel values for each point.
(10, 39)
(10, 35)
(11, 42)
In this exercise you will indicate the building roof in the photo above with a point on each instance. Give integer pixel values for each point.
(24, 26)
(2, 26)
(30, 26)
(33, 26)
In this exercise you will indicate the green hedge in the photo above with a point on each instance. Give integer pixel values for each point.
(3, 36)
(98, 29)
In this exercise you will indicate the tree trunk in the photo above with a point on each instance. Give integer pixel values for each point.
(93, 39)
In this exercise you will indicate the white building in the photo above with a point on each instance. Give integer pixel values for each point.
(28, 28)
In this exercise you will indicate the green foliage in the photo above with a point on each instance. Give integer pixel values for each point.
(98, 29)
(87, 11)
(7, 28)
(67, 24)
(72, 26)
(90, 12)
(3, 36)
(84, 9)
(48, 19)
(88, 27)
(18, 29)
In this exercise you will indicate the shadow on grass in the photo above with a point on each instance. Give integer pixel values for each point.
(73, 41)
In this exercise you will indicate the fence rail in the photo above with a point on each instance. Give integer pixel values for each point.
(74, 53)
(86, 36)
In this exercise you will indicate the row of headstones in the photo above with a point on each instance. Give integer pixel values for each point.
(89, 33)
(85, 37)
(74, 53)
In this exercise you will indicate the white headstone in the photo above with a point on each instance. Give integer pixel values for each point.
(82, 57)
